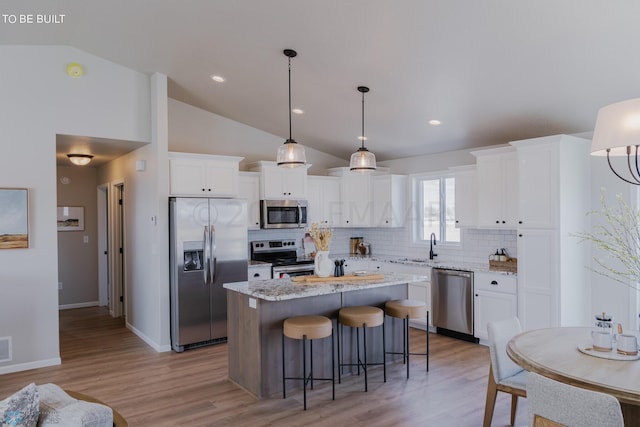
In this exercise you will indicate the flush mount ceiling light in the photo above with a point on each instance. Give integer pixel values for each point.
(363, 160)
(80, 159)
(218, 79)
(290, 154)
(617, 133)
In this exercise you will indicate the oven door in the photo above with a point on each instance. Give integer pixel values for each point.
(286, 271)
(283, 213)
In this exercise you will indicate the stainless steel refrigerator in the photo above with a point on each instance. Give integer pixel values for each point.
(208, 247)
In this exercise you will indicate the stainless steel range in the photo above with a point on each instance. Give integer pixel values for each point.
(283, 256)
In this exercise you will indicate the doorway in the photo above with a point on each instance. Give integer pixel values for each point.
(116, 238)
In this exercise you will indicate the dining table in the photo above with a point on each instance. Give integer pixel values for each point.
(566, 354)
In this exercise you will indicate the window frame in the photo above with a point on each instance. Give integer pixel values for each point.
(417, 202)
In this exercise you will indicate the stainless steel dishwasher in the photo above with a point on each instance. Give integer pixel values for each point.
(452, 299)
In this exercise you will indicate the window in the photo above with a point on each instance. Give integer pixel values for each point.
(434, 198)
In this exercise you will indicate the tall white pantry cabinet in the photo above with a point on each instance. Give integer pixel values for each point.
(553, 201)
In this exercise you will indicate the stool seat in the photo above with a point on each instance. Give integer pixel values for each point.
(359, 316)
(313, 327)
(402, 308)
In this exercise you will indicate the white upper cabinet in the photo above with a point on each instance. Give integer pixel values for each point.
(249, 189)
(497, 178)
(538, 184)
(389, 200)
(356, 197)
(324, 205)
(466, 195)
(281, 183)
(203, 175)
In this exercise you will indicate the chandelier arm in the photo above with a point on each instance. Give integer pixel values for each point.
(633, 175)
(637, 168)
(616, 173)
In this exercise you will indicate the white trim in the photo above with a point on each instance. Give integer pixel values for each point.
(31, 365)
(149, 341)
(79, 305)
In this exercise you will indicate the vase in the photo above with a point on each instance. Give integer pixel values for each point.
(322, 265)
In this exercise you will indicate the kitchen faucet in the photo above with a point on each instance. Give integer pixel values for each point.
(432, 243)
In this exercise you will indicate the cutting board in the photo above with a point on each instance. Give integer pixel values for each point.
(346, 277)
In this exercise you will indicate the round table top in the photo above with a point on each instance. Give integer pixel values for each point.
(554, 353)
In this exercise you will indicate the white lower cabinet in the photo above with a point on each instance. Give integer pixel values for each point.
(495, 298)
(259, 273)
(352, 264)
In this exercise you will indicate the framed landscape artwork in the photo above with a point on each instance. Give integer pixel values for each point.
(70, 218)
(14, 218)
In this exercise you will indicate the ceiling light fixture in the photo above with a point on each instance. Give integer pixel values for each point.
(435, 122)
(218, 79)
(363, 160)
(290, 154)
(617, 133)
(297, 111)
(80, 159)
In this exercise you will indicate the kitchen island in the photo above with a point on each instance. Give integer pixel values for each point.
(256, 310)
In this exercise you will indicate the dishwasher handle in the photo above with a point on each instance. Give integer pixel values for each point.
(460, 273)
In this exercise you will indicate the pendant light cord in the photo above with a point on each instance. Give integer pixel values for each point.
(362, 119)
(290, 99)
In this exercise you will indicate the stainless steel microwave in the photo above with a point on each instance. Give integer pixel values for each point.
(283, 213)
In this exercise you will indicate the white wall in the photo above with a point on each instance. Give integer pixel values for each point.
(193, 130)
(39, 100)
(147, 227)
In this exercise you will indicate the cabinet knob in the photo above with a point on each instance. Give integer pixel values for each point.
(498, 222)
(209, 189)
(256, 274)
(204, 189)
(519, 235)
(495, 283)
(519, 222)
(476, 294)
(504, 222)
(457, 221)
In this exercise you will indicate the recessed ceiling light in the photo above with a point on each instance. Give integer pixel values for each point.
(434, 122)
(297, 111)
(218, 79)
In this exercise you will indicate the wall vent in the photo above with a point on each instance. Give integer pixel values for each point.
(5, 349)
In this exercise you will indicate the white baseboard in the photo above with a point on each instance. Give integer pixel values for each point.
(79, 305)
(149, 341)
(30, 365)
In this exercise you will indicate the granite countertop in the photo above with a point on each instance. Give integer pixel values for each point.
(285, 289)
(423, 262)
(252, 263)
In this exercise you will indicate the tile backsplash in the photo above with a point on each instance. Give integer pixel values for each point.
(476, 246)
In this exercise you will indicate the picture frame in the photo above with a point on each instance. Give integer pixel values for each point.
(70, 218)
(14, 218)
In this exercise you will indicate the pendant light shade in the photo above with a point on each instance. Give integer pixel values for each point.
(290, 154)
(363, 160)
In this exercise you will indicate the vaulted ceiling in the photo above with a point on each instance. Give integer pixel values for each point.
(491, 71)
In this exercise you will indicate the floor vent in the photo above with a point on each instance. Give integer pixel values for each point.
(5, 349)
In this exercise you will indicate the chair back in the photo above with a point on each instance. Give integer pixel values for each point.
(500, 332)
(556, 403)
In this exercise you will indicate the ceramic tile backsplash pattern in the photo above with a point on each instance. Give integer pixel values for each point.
(476, 245)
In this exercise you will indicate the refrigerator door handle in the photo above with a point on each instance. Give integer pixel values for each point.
(212, 246)
(207, 255)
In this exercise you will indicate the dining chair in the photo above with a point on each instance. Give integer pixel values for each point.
(504, 374)
(552, 403)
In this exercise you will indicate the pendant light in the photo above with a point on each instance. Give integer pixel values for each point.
(290, 154)
(363, 160)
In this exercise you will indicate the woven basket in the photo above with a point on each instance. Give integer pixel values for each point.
(510, 265)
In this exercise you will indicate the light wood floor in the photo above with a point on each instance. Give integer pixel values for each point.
(100, 357)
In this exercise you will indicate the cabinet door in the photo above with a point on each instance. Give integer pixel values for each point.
(490, 191)
(249, 188)
(221, 179)
(382, 208)
(356, 200)
(492, 306)
(186, 177)
(351, 265)
(295, 182)
(538, 186)
(331, 205)
(466, 198)
(510, 190)
(315, 211)
(538, 279)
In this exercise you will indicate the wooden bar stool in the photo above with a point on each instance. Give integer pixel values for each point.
(361, 317)
(406, 309)
(307, 328)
